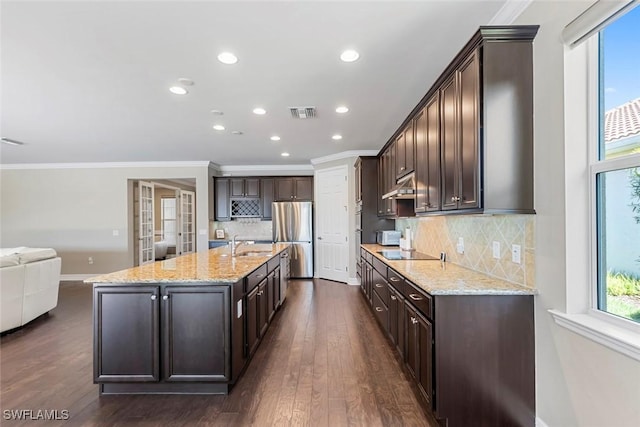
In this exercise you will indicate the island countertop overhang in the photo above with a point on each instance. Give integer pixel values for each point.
(215, 265)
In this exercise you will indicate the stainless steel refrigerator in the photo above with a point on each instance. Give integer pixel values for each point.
(293, 223)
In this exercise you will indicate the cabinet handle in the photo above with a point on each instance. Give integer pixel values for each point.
(402, 168)
(393, 298)
(389, 210)
(378, 285)
(415, 297)
(259, 276)
(153, 297)
(378, 309)
(413, 320)
(455, 199)
(165, 297)
(259, 293)
(394, 279)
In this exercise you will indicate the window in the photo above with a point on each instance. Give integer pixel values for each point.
(615, 170)
(168, 219)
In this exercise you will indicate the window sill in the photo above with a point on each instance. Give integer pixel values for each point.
(615, 337)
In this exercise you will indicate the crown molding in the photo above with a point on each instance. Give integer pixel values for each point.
(106, 165)
(509, 12)
(343, 155)
(279, 169)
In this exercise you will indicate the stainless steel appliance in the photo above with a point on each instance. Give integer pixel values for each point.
(293, 223)
(285, 269)
(388, 237)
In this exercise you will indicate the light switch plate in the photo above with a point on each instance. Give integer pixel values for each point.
(515, 253)
(496, 250)
(115, 233)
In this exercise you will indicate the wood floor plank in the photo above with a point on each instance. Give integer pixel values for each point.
(323, 362)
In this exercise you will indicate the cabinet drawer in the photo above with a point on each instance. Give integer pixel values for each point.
(396, 280)
(254, 278)
(381, 286)
(273, 263)
(380, 266)
(368, 256)
(381, 311)
(420, 299)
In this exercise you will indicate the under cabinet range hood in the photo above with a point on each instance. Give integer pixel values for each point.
(405, 188)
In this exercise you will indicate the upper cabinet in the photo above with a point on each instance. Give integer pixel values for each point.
(245, 187)
(267, 191)
(223, 212)
(294, 189)
(470, 139)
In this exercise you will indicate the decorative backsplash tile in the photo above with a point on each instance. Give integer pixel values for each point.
(244, 228)
(436, 234)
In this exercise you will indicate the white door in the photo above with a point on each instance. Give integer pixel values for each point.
(146, 250)
(187, 231)
(332, 220)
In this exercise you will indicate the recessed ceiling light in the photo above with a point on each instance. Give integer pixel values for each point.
(227, 58)
(217, 112)
(218, 127)
(185, 82)
(336, 137)
(275, 138)
(259, 111)
(349, 55)
(237, 132)
(11, 141)
(285, 154)
(178, 90)
(342, 109)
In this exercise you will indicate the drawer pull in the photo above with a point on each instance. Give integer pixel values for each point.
(259, 276)
(153, 297)
(393, 298)
(165, 297)
(378, 309)
(394, 279)
(378, 285)
(414, 320)
(415, 297)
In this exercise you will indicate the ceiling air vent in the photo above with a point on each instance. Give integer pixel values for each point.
(303, 112)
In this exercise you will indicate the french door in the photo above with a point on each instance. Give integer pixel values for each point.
(186, 218)
(146, 250)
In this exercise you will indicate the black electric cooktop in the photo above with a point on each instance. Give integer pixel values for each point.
(398, 254)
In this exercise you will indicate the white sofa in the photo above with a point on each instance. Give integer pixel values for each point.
(29, 283)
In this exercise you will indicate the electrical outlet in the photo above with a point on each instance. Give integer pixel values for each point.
(460, 245)
(496, 250)
(115, 233)
(90, 260)
(515, 253)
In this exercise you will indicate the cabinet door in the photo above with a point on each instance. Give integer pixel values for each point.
(126, 334)
(409, 148)
(449, 136)
(381, 185)
(396, 319)
(263, 307)
(422, 163)
(424, 339)
(411, 345)
(276, 288)
(252, 316)
(358, 178)
(196, 333)
(468, 141)
(271, 295)
(284, 189)
(222, 200)
(252, 187)
(303, 189)
(427, 168)
(266, 191)
(399, 147)
(237, 187)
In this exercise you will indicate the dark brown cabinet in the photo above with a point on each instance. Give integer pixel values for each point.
(396, 319)
(252, 310)
(427, 140)
(245, 187)
(184, 329)
(267, 193)
(405, 151)
(195, 324)
(419, 350)
(222, 195)
(126, 318)
(293, 189)
(387, 207)
(460, 137)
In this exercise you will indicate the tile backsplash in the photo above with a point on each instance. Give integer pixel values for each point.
(246, 228)
(433, 235)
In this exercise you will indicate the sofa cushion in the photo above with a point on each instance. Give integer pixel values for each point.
(24, 255)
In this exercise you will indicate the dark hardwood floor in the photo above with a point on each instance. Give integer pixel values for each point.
(324, 361)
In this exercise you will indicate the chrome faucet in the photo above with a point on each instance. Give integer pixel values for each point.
(235, 245)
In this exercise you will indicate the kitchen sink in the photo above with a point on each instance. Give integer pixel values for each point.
(255, 253)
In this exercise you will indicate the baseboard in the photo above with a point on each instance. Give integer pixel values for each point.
(76, 277)
(353, 281)
(540, 423)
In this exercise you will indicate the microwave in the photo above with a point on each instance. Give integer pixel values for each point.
(388, 237)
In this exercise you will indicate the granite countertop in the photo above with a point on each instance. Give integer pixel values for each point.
(214, 265)
(439, 278)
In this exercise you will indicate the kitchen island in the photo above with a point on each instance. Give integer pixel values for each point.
(466, 338)
(185, 325)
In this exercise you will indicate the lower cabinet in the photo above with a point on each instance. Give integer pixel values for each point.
(191, 343)
(419, 350)
(252, 310)
(396, 319)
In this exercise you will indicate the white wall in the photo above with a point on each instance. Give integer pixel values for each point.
(76, 210)
(579, 382)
